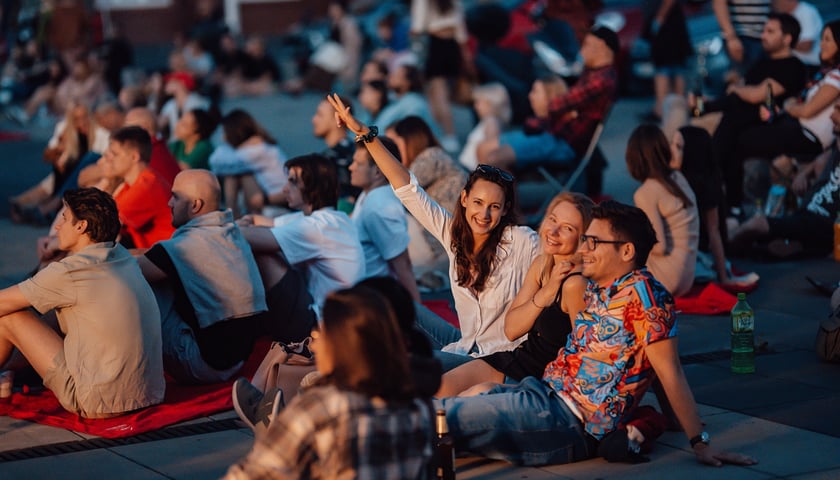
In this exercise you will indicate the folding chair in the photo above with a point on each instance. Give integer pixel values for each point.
(550, 184)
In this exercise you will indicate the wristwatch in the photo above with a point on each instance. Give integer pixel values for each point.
(702, 438)
(373, 132)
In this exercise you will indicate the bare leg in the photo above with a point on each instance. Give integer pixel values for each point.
(438, 93)
(661, 85)
(467, 375)
(272, 268)
(35, 339)
(254, 196)
(230, 186)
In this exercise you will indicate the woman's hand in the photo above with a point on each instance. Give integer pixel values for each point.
(343, 117)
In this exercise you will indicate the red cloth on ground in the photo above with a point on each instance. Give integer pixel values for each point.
(442, 309)
(708, 299)
(181, 403)
(144, 209)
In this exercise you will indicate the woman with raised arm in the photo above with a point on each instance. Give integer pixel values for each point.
(489, 255)
(550, 298)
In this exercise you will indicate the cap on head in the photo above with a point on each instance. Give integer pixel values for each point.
(185, 78)
(608, 36)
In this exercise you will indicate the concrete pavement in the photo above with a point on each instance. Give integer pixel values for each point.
(785, 414)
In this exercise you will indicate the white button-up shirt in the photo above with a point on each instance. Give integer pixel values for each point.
(482, 317)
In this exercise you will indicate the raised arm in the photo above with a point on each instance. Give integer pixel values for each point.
(393, 170)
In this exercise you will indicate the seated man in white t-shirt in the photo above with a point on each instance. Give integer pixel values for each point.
(380, 221)
(311, 252)
(106, 360)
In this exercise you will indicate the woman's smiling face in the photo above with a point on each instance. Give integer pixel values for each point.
(484, 207)
(561, 229)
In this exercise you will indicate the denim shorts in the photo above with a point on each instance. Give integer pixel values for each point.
(540, 148)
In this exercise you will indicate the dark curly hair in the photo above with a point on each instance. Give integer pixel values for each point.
(98, 209)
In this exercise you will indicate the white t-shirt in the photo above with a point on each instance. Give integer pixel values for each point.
(821, 124)
(325, 246)
(469, 155)
(811, 24)
(266, 161)
(482, 317)
(383, 232)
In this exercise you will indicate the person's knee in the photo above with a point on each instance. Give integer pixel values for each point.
(501, 157)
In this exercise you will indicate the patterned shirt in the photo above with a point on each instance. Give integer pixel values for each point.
(603, 370)
(575, 115)
(330, 433)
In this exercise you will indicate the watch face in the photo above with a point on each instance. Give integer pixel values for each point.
(704, 437)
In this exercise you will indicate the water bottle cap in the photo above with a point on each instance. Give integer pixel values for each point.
(742, 296)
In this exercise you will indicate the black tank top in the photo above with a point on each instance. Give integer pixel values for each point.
(545, 338)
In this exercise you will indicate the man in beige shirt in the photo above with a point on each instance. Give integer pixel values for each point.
(107, 358)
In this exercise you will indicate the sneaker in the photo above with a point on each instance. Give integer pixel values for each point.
(253, 407)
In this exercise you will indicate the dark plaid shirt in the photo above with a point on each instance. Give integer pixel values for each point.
(330, 433)
(574, 116)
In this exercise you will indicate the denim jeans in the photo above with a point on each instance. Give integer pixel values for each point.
(440, 334)
(524, 423)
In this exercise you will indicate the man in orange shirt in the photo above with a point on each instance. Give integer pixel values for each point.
(143, 196)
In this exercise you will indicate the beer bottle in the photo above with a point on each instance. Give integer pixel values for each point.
(444, 455)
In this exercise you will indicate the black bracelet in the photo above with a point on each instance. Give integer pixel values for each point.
(373, 132)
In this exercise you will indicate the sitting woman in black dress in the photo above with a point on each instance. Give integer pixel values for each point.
(550, 298)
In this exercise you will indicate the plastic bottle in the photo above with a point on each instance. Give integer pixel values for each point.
(444, 455)
(743, 348)
(837, 237)
(775, 206)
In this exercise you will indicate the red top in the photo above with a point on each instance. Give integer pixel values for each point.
(143, 208)
(163, 162)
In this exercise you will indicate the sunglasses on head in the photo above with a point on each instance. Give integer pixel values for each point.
(491, 171)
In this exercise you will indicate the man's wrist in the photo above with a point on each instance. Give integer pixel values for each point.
(701, 439)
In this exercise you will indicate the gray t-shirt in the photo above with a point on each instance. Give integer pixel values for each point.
(111, 322)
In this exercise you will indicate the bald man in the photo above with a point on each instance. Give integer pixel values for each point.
(162, 160)
(206, 283)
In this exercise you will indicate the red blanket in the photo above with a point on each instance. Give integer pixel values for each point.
(708, 299)
(180, 404)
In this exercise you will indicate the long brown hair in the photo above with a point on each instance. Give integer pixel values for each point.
(360, 329)
(583, 204)
(482, 262)
(649, 156)
(417, 136)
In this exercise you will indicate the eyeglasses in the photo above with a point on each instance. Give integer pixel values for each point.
(592, 242)
(491, 171)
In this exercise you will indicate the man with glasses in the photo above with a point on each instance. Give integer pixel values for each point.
(305, 255)
(624, 338)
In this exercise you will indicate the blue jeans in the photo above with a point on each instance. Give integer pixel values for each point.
(524, 423)
(540, 148)
(440, 334)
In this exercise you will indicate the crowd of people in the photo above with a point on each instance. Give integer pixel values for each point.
(180, 235)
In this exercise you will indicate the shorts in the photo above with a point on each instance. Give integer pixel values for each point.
(443, 58)
(182, 356)
(670, 71)
(62, 384)
(541, 148)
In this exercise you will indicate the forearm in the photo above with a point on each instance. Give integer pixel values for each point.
(260, 239)
(401, 266)
(393, 170)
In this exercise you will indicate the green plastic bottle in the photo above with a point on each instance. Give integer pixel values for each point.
(743, 325)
